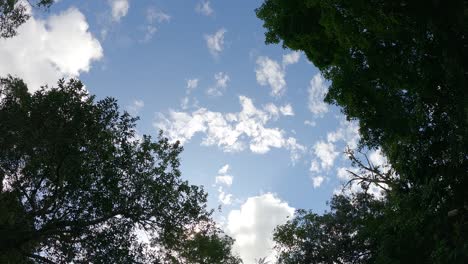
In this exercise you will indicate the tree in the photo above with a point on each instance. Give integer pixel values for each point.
(78, 185)
(13, 13)
(342, 235)
(400, 68)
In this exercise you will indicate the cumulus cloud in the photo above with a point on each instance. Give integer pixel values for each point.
(287, 110)
(46, 50)
(215, 42)
(204, 8)
(154, 17)
(119, 9)
(221, 81)
(270, 72)
(317, 181)
(223, 197)
(314, 166)
(348, 132)
(252, 226)
(230, 131)
(317, 91)
(291, 58)
(326, 152)
(135, 107)
(346, 135)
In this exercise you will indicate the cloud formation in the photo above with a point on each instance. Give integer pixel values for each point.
(317, 181)
(252, 226)
(270, 72)
(204, 8)
(215, 42)
(221, 81)
(231, 132)
(223, 180)
(46, 50)
(326, 152)
(119, 9)
(154, 17)
(317, 91)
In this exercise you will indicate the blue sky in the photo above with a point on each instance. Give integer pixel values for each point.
(256, 133)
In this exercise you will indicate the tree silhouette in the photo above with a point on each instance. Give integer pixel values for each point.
(400, 68)
(78, 185)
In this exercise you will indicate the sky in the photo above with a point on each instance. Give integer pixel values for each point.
(255, 130)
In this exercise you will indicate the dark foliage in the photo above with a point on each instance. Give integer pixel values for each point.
(79, 186)
(400, 68)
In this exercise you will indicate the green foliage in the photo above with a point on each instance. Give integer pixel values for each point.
(343, 235)
(13, 13)
(78, 185)
(400, 68)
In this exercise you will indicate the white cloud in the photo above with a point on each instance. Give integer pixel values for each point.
(204, 8)
(291, 58)
(317, 181)
(119, 9)
(310, 123)
(215, 42)
(253, 224)
(346, 135)
(317, 91)
(269, 72)
(154, 17)
(348, 132)
(46, 50)
(314, 166)
(378, 159)
(326, 153)
(296, 149)
(287, 110)
(224, 179)
(224, 198)
(230, 131)
(135, 107)
(221, 81)
(224, 169)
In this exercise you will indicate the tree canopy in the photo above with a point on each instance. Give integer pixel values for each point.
(79, 185)
(342, 235)
(400, 68)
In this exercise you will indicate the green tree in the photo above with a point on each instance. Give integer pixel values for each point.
(343, 235)
(13, 13)
(78, 185)
(400, 68)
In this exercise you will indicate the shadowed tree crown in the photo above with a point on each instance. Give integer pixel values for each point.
(79, 185)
